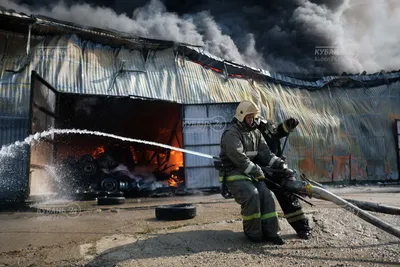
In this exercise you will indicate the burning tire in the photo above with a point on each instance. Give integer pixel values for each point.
(111, 198)
(176, 212)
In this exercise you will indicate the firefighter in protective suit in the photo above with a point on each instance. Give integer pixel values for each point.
(243, 153)
(290, 205)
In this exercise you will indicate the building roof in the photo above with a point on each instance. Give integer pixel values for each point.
(11, 12)
(10, 20)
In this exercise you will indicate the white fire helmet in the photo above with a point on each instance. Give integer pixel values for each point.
(244, 108)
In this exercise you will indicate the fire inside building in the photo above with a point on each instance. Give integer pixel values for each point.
(55, 74)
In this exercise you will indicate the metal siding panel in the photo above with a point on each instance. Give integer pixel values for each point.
(69, 66)
(129, 83)
(196, 161)
(12, 129)
(322, 169)
(202, 178)
(231, 90)
(201, 135)
(226, 111)
(220, 89)
(162, 70)
(98, 70)
(14, 55)
(298, 146)
(195, 111)
(197, 91)
(13, 160)
(322, 147)
(3, 47)
(160, 81)
(14, 112)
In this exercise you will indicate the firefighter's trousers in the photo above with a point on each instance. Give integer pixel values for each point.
(290, 205)
(257, 208)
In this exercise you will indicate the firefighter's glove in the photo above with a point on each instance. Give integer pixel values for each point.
(289, 174)
(291, 123)
(279, 164)
(219, 165)
(292, 185)
(260, 178)
(261, 124)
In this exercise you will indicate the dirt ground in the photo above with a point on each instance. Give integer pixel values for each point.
(129, 235)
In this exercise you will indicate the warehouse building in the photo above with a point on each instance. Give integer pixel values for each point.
(55, 74)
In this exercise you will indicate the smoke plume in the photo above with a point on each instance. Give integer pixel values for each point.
(287, 36)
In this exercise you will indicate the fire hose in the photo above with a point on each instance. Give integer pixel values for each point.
(306, 188)
(365, 205)
(320, 193)
(314, 189)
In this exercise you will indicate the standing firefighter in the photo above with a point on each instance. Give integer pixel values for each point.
(243, 151)
(290, 205)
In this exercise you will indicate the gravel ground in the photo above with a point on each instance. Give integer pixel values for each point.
(214, 237)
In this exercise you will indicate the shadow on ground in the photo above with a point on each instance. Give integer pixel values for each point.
(217, 241)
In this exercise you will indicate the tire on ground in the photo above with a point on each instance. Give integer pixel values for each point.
(176, 212)
(111, 198)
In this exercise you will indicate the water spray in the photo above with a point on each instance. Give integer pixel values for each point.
(38, 136)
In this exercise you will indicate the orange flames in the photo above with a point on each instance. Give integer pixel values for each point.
(175, 159)
(175, 162)
(98, 151)
(174, 181)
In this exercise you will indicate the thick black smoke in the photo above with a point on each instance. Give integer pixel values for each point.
(288, 36)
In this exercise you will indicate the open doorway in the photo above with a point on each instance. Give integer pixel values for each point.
(77, 163)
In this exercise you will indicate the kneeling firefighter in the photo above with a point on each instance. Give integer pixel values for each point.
(290, 204)
(243, 153)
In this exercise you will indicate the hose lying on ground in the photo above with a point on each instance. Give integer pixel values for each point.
(320, 193)
(365, 205)
(376, 207)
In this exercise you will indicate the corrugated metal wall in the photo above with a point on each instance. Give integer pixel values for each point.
(14, 113)
(344, 133)
(203, 126)
(397, 127)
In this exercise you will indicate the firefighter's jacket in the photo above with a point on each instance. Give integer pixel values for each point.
(243, 151)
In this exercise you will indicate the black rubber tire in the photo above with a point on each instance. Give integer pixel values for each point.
(86, 158)
(176, 212)
(85, 196)
(89, 168)
(111, 194)
(110, 200)
(110, 184)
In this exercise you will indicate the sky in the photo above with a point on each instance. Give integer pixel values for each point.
(286, 36)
